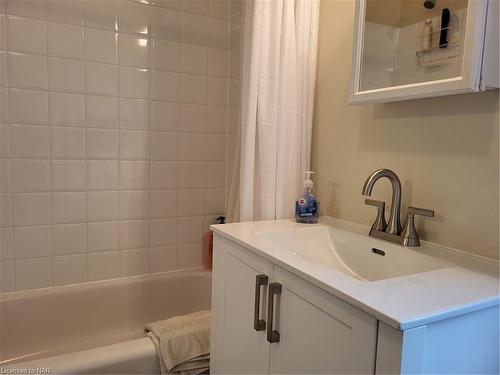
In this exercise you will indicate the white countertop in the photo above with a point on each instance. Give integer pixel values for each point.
(405, 302)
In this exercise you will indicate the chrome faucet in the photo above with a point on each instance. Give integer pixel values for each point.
(392, 231)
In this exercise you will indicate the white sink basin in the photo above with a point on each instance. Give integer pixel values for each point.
(352, 254)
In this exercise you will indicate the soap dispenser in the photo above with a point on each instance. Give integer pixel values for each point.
(307, 207)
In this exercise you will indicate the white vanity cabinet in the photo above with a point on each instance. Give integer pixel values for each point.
(318, 333)
(406, 50)
(268, 320)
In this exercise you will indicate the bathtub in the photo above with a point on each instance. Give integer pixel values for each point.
(95, 327)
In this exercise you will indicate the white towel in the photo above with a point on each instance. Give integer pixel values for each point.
(182, 343)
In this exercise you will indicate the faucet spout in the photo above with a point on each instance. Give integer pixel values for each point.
(394, 224)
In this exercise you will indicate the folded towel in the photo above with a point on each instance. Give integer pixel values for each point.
(182, 343)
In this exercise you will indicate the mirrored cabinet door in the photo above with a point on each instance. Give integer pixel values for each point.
(409, 49)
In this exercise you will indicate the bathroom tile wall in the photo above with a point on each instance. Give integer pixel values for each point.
(112, 138)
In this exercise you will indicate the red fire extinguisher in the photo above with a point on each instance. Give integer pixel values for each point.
(209, 244)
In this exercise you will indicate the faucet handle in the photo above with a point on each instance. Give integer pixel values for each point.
(409, 234)
(379, 223)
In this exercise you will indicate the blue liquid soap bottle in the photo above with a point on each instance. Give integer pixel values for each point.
(307, 207)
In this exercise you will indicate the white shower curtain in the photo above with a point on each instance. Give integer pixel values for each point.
(278, 74)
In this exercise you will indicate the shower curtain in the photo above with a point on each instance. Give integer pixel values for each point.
(277, 83)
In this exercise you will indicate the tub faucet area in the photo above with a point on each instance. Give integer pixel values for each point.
(392, 231)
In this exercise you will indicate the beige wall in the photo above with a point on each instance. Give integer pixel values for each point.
(445, 150)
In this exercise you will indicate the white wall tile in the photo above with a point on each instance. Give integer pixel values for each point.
(3, 32)
(70, 269)
(164, 232)
(215, 175)
(27, 71)
(218, 33)
(165, 24)
(69, 175)
(191, 202)
(26, 8)
(101, 46)
(102, 143)
(216, 120)
(217, 91)
(134, 82)
(134, 234)
(30, 175)
(135, 175)
(104, 265)
(164, 175)
(28, 107)
(191, 174)
(134, 204)
(67, 109)
(164, 203)
(134, 145)
(6, 212)
(70, 238)
(29, 141)
(193, 89)
(133, 17)
(164, 116)
(32, 208)
(101, 78)
(134, 114)
(6, 244)
(7, 276)
(164, 146)
(195, 6)
(171, 4)
(218, 62)
(4, 76)
(103, 205)
(215, 202)
(33, 241)
(65, 11)
(134, 51)
(190, 229)
(26, 35)
(192, 146)
(102, 174)
(65, 40)
(190, 255)
(164, 258)
(220, 8)
(33, 273)
(194, 29)
(193, 117)
(135, 262)
(103, 236)
(102, 111)
(165, 86)
(69, 207)
(4, 103)
(165, 55)
(67, 143)
(5, 176)
(66, 75)
(101, 14)
(193, 59)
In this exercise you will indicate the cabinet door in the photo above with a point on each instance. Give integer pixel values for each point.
(318, 332)
(237, 347)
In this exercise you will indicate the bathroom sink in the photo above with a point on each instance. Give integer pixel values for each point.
(353, 254)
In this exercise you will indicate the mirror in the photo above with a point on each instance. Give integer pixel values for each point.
(411, 41)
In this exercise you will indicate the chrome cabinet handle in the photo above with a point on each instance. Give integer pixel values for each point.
(259, 324)
(272, 334)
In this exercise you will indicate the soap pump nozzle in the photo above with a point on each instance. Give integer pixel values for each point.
(308, 183)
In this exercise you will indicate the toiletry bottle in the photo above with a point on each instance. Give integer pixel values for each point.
(209, 245)
(307, 207)
(426, 41)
